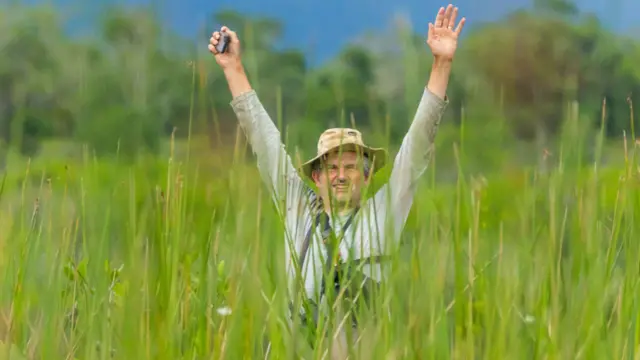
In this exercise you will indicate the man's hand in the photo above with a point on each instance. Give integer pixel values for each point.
(230, 62)
(231, 58)
(443, 41)
(443, 35)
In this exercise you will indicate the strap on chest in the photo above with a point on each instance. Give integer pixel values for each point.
(327, 231)
(335, 274)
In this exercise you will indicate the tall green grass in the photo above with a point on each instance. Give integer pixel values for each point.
(178, 258)
(107, 260)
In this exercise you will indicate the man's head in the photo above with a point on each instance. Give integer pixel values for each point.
(341, 176)
(343, 166)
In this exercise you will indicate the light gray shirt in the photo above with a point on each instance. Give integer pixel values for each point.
(377, 226)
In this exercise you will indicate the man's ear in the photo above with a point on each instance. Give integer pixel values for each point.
(315, 175)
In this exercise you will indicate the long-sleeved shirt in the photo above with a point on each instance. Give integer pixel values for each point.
(378, 224)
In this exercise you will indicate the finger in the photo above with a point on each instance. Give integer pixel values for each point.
(212, 49)
(215, 37)
(231, 33)
(460, 26)
(439, 18)
(430, 33)
(447, 16)
(454, 15)
(233, 36)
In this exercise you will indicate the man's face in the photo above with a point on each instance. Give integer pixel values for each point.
(341, 178)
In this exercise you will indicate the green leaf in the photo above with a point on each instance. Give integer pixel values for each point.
(10, 352)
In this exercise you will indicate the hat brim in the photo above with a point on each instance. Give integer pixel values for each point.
(377, 156)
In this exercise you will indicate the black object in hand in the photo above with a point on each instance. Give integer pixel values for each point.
(223, 44)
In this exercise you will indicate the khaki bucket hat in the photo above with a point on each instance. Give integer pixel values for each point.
(345, 139)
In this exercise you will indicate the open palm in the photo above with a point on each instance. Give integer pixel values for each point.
(443, 34)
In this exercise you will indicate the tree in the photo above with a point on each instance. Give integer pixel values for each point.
(135, 90)
(30, 78)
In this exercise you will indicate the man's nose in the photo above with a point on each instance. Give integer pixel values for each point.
(341, 173)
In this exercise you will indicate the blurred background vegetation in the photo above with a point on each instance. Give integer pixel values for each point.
(517, 84)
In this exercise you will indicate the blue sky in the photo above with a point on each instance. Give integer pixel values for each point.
(332, 23)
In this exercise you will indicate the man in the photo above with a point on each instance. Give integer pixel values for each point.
(335, 226)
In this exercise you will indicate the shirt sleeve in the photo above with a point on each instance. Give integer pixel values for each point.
(288, 190)
(411, 161)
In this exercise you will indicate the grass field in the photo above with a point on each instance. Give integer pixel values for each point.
(181, 257)
(512, 250)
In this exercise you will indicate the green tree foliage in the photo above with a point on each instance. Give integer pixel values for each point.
(535, 65)
(136, 83)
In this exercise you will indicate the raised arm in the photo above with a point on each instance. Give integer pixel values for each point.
(414, 155)
(274, 164)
